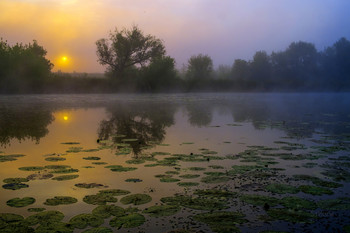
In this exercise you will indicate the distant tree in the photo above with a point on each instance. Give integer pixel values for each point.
(261, 68)
(128, 48)
(240, 70)
(199, 67)
(159, 75)
(223, 72)
(23, 66)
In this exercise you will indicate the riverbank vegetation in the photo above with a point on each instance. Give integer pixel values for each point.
(136, 62)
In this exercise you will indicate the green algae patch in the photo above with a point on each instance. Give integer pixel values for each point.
(215, 193)
(99, 230)
(15, 186)
(215, 179)
(221, 221)
(60, 200)
(20, 202)
(105, 211)
(36, 210)
(55, 159)
(189, 176)
(65, 177)
(297, 203)
(161, 210)
(281, 188)
(119, 168)
(136, 199)
(15, 180)
(187, 184)
(91, 158)
(88, 185)
(169, 180)
(134, 180)
(135, 161)
(341, 203)
(290, 215)
(128, 221)
(259, 200)
(32, 168)
(195, 203)
(81, 221)
(45, 218)
(315, 190)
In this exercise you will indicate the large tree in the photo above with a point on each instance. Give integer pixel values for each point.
(128, 48)
(200, 67)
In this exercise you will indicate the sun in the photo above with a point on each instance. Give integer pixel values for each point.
(64, 58)
(65, 118)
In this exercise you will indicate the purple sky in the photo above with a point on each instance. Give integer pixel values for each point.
(224, 29)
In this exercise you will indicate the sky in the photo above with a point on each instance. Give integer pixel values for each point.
(223, 29)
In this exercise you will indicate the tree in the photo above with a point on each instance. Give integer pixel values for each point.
(200, 67)
(261, 68)
(128, 48)
(240, 69)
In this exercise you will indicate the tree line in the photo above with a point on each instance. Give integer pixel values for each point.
(136, 61)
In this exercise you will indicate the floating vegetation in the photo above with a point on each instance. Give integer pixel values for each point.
(130, 140)
(15, 180)
(195, 203)
(135, 161)
(315, 190)
(20, 202)
(135, 180)
(45, 218)
(31, 168)
(65, 177)
(216, 167)
(136, 199)
(291, 215)
(99, 163)
(81, 221)
(123, 151)
(169, 180)
(105, 211)
(60, 200)
(74, 149)
(215, 179)
(64, 171)
(189, 176)
(99, 230)
(119, 168)
(196, 168)
(55, 159)
(54, 227)
(297, 203)
(128, 221)
(36, 209)
(221, 221)
(160, 153)
(161, 210)
(215, 193)
(12, 157)
(281, 188)
(70, 143)
(15, 186)
(318, 181)
(57, 167)
(88, 185)
(172, 172)
(13, 223)
(40, 176)
(114, 192)
(90, 150)
(259, 200)
(187, 184)
(92, 158)
(341, 203)
(187, 143)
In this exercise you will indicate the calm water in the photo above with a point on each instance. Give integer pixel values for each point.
(277, 135)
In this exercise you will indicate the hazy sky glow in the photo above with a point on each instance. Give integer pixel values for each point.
(223, 29)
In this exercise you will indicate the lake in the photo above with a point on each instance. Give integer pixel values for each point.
(175, 163)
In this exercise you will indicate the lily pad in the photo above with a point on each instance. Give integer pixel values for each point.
(88, 185)
(36, 209)
(290, 215)
(114, 192)
(135, 161)
(20, 202)
(187, 184)
(105, 211)
(222, 221)
(161, 210)
(65, 177)
(70, 143)
(54, 227)
(55, 159)
(99, 230)
(216, 166)
(31, 168)
(64, 171)
(169, 180)
(57, 167)
(60, 200)
(45, 218)
(281, 188)
(74, 149)
(128, 221)
(341, 203)
(15, 180)
(317, 181)
(195, 203)
(215, 193)
(135, 180)
(81, 221)
(297, 203)
(92, 158)
(15, 186)
(259, 200)
(12, 157)
(215, 179)
(315, 190)
(136, 199)
(196, 168)
(189, 176)
(119, 168)
(40, 176)
(99, 199)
